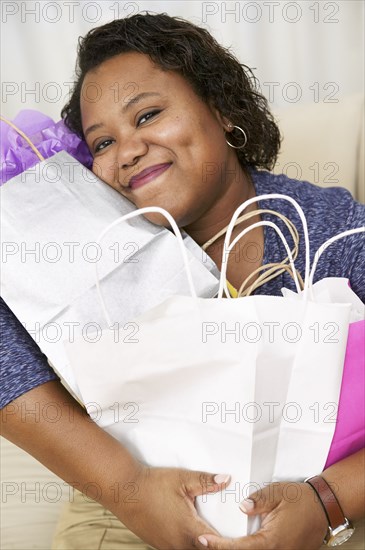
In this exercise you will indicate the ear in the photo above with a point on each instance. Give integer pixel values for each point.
(226, 124)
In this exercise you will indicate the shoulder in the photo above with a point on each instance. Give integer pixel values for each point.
(328, 212)
(336, 204)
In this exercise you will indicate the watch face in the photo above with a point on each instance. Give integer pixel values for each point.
(341, 537)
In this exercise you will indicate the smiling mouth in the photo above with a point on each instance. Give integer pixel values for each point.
(148, 175)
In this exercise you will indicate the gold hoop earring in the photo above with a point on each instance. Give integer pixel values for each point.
(238, 146)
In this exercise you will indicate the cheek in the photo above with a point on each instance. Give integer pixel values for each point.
(174, 132)
(106, 170)
(202, 140)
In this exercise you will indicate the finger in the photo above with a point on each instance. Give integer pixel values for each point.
(262, 501)
(252, 542)
(200, 483)
(218, 543)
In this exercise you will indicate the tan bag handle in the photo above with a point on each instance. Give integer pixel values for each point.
(24, 136)
(272, 269)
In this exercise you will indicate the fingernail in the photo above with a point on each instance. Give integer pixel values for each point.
(222, 478)
(247, 505)
(203, 541)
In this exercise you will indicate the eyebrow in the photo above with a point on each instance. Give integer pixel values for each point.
(129, 103)
(137, 99)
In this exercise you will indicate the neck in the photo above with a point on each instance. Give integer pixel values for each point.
(220, 214)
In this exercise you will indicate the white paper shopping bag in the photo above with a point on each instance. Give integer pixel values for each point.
(313, 401)
(203, 385)
(51, 216)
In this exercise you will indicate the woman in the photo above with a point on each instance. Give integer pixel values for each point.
(173, 120)
(178, 101)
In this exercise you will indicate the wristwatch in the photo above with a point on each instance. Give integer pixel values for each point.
(340, 528)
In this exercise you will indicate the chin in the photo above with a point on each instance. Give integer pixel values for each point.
(157, 219)
(175, 210)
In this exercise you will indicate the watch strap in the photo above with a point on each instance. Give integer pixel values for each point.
(328, 500)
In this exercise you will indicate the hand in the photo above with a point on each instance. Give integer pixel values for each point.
(155, 503)
(292, 518)
(161, 508)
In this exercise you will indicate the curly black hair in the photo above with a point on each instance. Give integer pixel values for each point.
(212, 70)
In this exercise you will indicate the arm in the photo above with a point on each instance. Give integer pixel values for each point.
(155, 503)
(299, 523)
(347, 480)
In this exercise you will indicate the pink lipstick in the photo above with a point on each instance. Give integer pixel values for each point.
(148, 175)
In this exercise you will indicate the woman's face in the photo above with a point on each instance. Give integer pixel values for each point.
(155, 141)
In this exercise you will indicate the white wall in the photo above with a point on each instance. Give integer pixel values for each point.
(308, 51)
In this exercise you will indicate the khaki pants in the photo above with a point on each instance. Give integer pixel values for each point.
(86, 525)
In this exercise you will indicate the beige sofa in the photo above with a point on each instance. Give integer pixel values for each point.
(323, 143)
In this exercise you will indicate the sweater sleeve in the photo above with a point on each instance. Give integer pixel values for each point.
(353, 251)
(23, 365)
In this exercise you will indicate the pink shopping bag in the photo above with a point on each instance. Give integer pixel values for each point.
(349, 435)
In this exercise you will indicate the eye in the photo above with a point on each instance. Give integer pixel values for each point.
(102, 145)
(147, 116)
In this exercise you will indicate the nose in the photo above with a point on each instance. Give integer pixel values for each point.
(130, 151)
